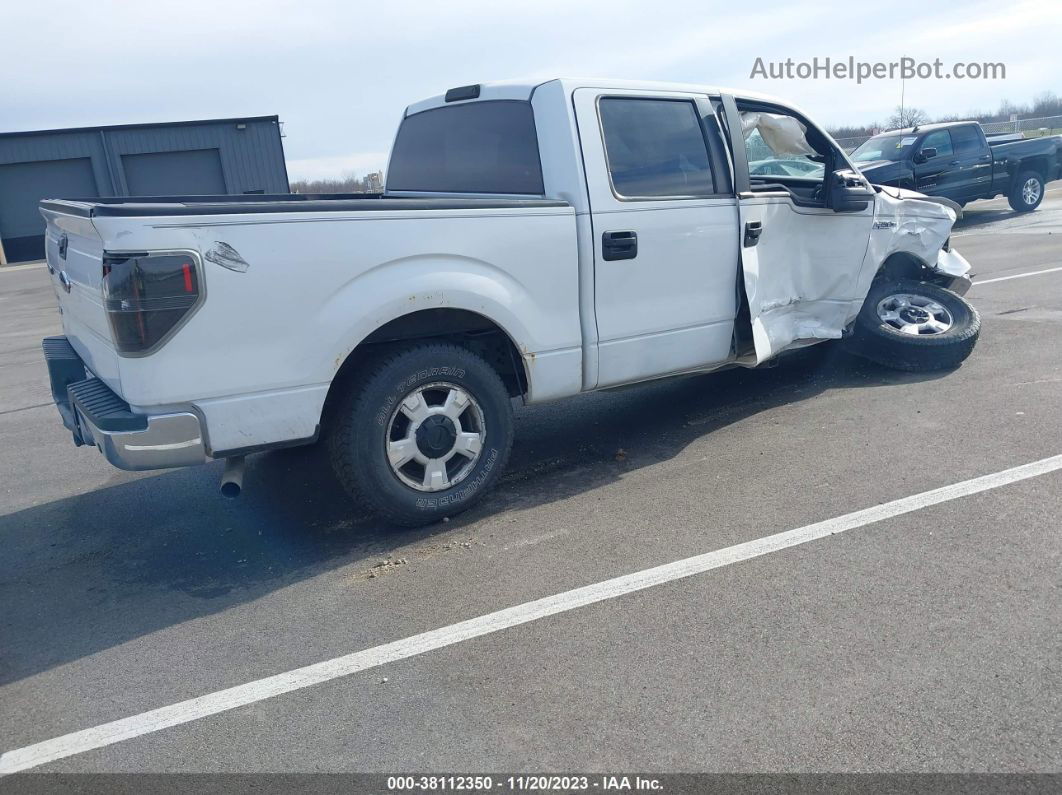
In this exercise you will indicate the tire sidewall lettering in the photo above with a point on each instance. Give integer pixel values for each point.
(405, 386)
(466, 490)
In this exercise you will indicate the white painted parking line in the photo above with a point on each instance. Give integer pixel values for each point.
(1015, 276)
(223, 700)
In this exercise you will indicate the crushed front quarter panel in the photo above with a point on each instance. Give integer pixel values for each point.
(906, 222)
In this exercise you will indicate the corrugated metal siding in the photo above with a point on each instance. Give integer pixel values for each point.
(31, 148)
(252, 159)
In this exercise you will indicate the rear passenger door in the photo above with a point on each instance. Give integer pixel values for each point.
(665, 228)
(974, 159)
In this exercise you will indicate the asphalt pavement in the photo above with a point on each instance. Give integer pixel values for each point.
(926, 641)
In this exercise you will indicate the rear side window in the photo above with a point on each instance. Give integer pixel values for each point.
(477, 147)
(655, 148)
(967, 140)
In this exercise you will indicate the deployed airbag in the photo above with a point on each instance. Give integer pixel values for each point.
(783, 134)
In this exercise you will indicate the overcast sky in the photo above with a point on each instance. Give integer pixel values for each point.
(339, 73)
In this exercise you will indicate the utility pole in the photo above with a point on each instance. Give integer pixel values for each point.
(902, 86)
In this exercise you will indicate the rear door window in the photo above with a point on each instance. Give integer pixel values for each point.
(655, 148)
(967, 140)
(476, 147)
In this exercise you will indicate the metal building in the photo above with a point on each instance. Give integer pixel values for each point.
(180, 158)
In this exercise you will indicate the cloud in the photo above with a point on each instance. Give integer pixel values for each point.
(339, 74)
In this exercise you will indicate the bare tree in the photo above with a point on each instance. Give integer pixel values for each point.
(855, 130)
(1047, 103)
(348, 184)
(907, 117)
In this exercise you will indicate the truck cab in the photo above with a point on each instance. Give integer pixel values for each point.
(950, 160)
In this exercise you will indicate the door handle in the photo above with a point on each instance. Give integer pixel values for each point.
(619, 245)
(64, 280)
(753, 230)
(955, 163)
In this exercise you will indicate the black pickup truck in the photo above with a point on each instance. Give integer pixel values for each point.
(957, 161)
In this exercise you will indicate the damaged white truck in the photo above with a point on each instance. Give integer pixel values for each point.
(534, 241)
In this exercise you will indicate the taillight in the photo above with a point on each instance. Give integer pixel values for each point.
(147, 296)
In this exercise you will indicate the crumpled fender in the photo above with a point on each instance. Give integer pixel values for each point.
(904, 193)
(911, 223)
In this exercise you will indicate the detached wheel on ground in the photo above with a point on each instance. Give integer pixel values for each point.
(1027, 192)
(911, 325)
(424, 434)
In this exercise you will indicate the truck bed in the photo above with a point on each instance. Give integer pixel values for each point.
(138, 206)
(291, 284)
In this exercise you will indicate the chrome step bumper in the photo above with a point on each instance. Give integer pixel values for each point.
(96, 415)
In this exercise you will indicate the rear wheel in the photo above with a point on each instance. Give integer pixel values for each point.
(425, 436)
(1027, 192)
(911, 325)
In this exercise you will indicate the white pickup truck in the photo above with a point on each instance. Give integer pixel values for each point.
(535, 241)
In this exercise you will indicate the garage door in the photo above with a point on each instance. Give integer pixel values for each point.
(23, 185)
(189, 173)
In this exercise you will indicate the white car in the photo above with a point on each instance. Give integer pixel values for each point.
(535, 241)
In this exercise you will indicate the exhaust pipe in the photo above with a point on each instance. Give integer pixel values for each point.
(232, 477)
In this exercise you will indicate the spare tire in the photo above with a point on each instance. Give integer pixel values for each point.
(917, 326)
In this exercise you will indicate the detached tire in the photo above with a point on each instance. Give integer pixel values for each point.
(425, 435)
(1027, 191)
(916, 326)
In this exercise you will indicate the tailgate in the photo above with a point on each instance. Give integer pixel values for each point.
(74, 252)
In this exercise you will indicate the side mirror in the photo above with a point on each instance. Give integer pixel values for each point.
(926, 154)
(849, 192)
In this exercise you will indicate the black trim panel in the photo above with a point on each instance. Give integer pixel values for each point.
(103, 408)
(462, 92)
(738, 153)
(281, 203)
(64, 368)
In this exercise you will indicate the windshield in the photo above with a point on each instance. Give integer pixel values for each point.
(883, 147)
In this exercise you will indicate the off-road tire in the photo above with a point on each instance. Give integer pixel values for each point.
(876, 340)
(361, 424)
(1017, 197)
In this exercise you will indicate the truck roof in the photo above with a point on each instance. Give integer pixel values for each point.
(921, 128)
(524, 89)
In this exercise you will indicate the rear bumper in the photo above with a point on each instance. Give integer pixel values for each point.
(95, 415)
